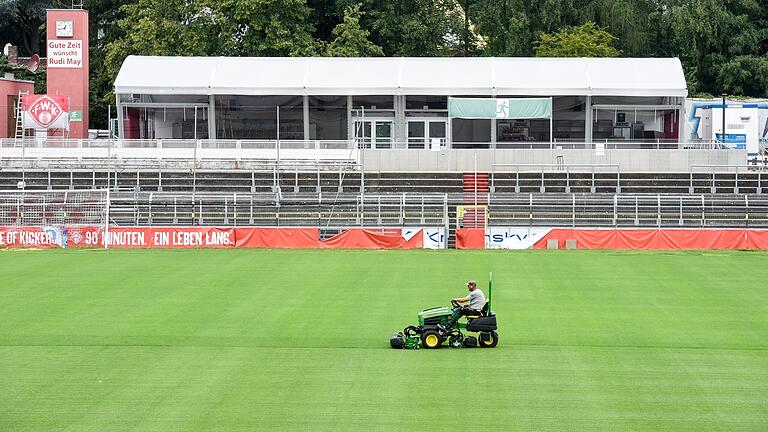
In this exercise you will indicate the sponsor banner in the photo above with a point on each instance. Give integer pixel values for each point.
(434, 238)
(663, 239)
(470, 238)
(277, 238)
(65, 54)
(182, 238)
(32, 237)
(45, 111)
(85, 236)
(513, 238)
(358, 238)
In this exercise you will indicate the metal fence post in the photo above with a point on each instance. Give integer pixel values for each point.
(658, 210)
(615, 205)
(746, 211)
(573, 210)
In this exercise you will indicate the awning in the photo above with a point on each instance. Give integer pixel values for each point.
(449, 76)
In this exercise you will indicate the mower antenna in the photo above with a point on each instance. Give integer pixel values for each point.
(490, 285)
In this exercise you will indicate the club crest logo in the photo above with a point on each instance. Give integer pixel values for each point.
(45, 111)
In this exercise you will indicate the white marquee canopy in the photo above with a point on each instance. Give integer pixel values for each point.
(488, 76)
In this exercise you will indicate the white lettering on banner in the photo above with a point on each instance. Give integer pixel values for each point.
(434, 238)
(513, 237)
(217, 238)
(126, 238)
(162, 238)
(65, 54)
(183, 238)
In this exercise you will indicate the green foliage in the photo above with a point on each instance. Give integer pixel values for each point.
(350, 40)
(588, 40)
(21, 73)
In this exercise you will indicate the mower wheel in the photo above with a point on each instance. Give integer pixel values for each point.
(470, 342)
(489, 339)
(431, 339)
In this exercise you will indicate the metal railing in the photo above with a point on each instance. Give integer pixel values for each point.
(513, 178)
(642, 211)
(266, 209)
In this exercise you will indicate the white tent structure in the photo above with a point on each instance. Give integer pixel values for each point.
(657, 83)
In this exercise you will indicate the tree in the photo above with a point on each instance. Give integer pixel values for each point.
(510, 27)
(713, 39)
(257, 27)
(350, 40)
(633, 22)
(408, 27)
(588, 40)
(24, 22)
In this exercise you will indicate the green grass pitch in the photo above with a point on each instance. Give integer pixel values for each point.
(242, 340)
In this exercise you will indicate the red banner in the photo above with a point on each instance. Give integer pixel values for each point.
(277, 238)
(658, 239)
(181, 238)
(32, 237)
(85, 237)
(357, 238)
(470, 238)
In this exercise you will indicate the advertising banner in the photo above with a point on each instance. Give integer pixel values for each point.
(358, 238)
(85, 236)
(513, 238)
(45, 111)
(655, 239)
(32, 237)
(166, 238)
(434, 238)
(277, 238)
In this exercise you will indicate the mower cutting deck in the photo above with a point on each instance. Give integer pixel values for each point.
(440, 325)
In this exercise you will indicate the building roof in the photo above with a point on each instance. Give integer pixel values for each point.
(502, 76)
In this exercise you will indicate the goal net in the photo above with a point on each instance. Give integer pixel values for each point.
(33, 217)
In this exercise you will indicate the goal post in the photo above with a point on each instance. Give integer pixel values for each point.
(82, 213)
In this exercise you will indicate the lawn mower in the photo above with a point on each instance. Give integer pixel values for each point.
(440, 325)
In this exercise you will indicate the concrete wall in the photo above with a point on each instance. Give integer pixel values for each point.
(482, 160)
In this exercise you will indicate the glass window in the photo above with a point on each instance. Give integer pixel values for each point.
(426, 102)
(471, 131)
(255, 117)
(328, 117)
(372, 103)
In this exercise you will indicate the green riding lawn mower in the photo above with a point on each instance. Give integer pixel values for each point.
(440, 325)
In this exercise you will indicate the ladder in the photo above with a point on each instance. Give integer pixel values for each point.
(20, 116)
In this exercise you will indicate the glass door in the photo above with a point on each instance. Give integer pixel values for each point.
(424, 133)
(374, 133)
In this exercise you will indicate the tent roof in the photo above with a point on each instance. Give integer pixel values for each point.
(399, 75)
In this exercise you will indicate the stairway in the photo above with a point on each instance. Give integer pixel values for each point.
(476, 190)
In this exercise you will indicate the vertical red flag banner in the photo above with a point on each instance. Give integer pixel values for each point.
(45, 111)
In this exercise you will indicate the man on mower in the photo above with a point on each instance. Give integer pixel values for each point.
(476, 300)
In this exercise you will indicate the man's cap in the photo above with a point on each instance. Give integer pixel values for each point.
(471, 282)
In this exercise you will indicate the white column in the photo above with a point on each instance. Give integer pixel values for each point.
(681, 120)
(588, 120)
(120, 119)
(350, 120)
(306, 118)
(211, 117)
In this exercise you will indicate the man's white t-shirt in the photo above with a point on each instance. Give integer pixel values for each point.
(476, 299)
